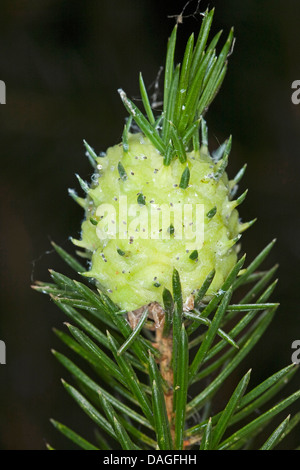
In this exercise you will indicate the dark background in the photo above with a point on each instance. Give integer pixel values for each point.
(62, 62)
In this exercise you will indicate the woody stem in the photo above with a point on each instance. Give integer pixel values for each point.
(165, 347)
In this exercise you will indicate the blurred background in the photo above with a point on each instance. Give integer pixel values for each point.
(62, 62)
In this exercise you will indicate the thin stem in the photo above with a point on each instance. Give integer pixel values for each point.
(165, 346)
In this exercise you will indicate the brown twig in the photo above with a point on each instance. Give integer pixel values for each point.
(165, 347)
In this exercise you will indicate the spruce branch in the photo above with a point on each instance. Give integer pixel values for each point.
(149, 377)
